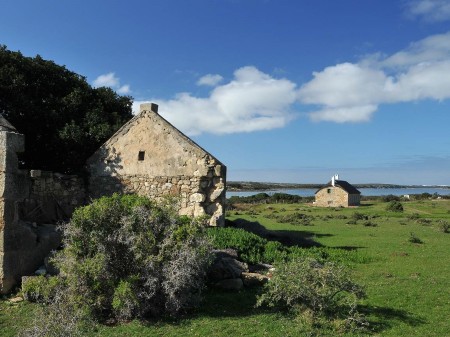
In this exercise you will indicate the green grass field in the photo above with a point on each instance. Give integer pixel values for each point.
(408, 284)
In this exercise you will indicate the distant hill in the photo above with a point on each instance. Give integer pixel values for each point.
(259, 186)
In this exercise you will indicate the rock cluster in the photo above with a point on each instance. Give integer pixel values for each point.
(228, 273)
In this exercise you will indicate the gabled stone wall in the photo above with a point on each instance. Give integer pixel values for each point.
(149, 156)
(332, 196)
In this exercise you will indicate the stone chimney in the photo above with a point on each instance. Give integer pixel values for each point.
(149, 107)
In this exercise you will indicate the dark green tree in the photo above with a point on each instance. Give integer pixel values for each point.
(63, 118)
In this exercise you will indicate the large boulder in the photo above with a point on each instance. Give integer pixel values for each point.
(226, 266)
(254, 279)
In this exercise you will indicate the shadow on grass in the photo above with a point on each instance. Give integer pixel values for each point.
(382, 318)
(289, 238)
(226, 304)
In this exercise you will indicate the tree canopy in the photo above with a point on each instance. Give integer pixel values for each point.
(63, 118)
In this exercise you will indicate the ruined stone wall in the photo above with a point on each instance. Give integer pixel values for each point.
(53, 197)
(332, 196)
(23, 245)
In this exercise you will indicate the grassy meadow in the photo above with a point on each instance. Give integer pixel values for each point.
(406, 271)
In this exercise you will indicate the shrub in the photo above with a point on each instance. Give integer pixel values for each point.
(274, 251)
(125, 257)
(249, 246)
(394, 206)
(413, 238)
(444, 226)
(60, 319)
(413, 216)
(369, 224)
(424, 222)
(40, 288)
(359, 216)
(390, 197)
(305, 285)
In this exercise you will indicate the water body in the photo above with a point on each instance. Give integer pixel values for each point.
(309, 192)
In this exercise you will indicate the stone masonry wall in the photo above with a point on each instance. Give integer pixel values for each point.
(197, 195)
(53, 196)
(334, 198)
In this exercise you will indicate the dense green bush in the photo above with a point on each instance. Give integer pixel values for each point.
(390, 197)
(125, 257)
(261, 198)
(254, 249)
(394, 206)
(41, 288)
(249, 246)
(308, 286)
(413, 238)
(444, 226)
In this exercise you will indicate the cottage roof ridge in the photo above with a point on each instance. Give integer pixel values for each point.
(345, 185)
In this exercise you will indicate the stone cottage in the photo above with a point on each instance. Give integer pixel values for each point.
(337, 193)
(149, 156)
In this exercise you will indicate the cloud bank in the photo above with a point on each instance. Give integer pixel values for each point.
(352, 92)
(110, 80)
(343, 93)
(430, 10)
(251, 101)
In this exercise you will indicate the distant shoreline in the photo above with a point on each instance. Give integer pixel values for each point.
(244, 186)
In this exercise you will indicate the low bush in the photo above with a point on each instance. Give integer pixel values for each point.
(249, 246)
(126, 257)
(359, 216)
(413, 216)
(444, 226)
(413, 238)
(424, 222)
(390, 197)
(40, 288)
(394, 206)
(308, 286)
(369, 224)
(254, 249)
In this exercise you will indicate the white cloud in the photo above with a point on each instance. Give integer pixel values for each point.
(124, 90)
(352, 92)
(110, 80)
(106, 80)
(252, 101)
(210, 80)
(345, 92)
(430, 10)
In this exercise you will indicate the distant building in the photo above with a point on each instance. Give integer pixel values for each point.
(338, 193)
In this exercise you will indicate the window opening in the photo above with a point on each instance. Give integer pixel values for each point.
(141, 155)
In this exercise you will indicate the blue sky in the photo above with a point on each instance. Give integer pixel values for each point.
(278, 90)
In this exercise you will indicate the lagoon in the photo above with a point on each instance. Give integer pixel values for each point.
(309, 192)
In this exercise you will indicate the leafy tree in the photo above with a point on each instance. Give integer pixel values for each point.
(63, 118)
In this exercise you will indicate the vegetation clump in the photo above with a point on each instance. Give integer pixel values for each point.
(413, 238)
(306, 286)
(394, 206)
(444, 226)
(126, 257)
